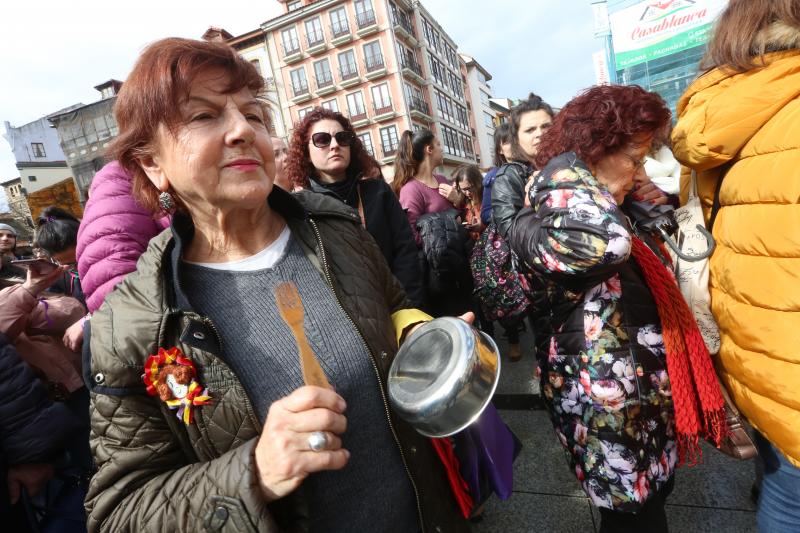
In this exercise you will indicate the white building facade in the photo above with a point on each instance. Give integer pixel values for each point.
(483, 113)
(40, 160)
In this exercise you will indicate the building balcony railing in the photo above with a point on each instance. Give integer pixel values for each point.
(383, 108)
(324, 81)
(389, 151)
(373, 63)
(291, 47)
(411, 65)
(358, 117)
(315, 38)
(403, 23)
(365, 19)
(418, 104)
(340, 30)
(300, 89)
(348, 73)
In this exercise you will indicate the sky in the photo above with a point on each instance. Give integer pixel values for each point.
(53, 54)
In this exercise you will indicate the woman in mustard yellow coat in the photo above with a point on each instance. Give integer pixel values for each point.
(746, 110)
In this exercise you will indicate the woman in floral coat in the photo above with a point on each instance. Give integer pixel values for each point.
(603, 363)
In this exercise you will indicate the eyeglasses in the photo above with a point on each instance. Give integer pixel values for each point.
(322, 139)
(637, 163)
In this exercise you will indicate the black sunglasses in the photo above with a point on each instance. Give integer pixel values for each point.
(322, 139)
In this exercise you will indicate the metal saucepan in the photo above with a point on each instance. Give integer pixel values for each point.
(444, 376)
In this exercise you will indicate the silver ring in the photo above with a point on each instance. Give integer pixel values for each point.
(317, 441)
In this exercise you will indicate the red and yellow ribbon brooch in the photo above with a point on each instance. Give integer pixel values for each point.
(171, 376)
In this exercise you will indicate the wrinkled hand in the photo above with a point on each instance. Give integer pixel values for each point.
(468, 317)
(283, 458)
(451, 193)
(73, 337)
(36, 282)
(32, 476)
(649, 192)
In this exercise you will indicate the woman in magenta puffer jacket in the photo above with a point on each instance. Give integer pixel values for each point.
(113, 234)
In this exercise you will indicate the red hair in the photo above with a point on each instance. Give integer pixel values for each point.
(601, 120)
(161, 79)
(298, 167)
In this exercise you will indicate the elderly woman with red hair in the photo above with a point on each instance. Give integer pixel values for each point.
(628, 386)
(201, 416)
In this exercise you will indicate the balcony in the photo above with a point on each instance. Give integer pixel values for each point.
(359, 119)
(374, 67)
(383, 111)
(420, 109)
(366, 22)
(340, 34)
(316, 42)
(325, 84)
(291, 51)
(300, 92)
(411, 69)
(402, 27)
(349, 76)
(389, 152)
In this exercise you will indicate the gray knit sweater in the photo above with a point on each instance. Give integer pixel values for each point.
(373, 492)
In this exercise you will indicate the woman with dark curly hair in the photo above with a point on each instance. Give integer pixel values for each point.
(326, 156)
(625, 375)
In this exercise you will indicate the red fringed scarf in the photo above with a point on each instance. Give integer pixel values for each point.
(699, 406)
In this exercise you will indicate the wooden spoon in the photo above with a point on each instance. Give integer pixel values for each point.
(291, 308)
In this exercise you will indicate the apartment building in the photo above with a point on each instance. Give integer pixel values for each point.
(483, 113)
(386, 64)
(39, 158)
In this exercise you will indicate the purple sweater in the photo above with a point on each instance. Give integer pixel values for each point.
(113, 234)
(418, 199)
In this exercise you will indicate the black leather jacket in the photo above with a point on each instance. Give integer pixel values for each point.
(508, 194)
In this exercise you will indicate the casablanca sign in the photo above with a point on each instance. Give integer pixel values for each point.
(656, 28)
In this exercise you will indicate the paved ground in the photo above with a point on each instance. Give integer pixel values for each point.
(711, 497)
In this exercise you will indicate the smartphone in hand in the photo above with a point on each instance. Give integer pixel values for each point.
(40, 266)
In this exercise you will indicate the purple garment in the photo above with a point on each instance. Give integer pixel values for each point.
(486, 451)
(418, 199)
(114, 232)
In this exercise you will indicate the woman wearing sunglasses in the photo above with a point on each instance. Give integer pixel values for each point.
(326, 156)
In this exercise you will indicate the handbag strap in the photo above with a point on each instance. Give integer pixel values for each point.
(716, 205)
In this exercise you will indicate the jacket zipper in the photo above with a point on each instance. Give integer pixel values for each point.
(374, 366)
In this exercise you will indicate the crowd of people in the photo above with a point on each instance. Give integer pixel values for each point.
(152, 383)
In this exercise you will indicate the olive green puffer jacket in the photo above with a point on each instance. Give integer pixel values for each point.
(157, 474)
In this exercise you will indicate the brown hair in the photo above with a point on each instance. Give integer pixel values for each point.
(739, 41)
(298, 167)
(410, 154)
(473, 176)
(161, 79)
(601, 120)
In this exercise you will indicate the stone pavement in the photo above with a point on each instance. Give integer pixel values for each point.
(713, 496)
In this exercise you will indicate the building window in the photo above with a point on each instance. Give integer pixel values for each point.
(301, 114)
(292, 6)
(38, 149)
(31, 178)
(314, 32)
(339, 24)
(366, 141)
(381, 99)
(488, 120)
(299, 81)
(373, 57)
(331, 105)
(355, 106)
(322, 71)
(389, 140)
(347, 65)
(365, 16)
(484, 98)
(291, 43)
